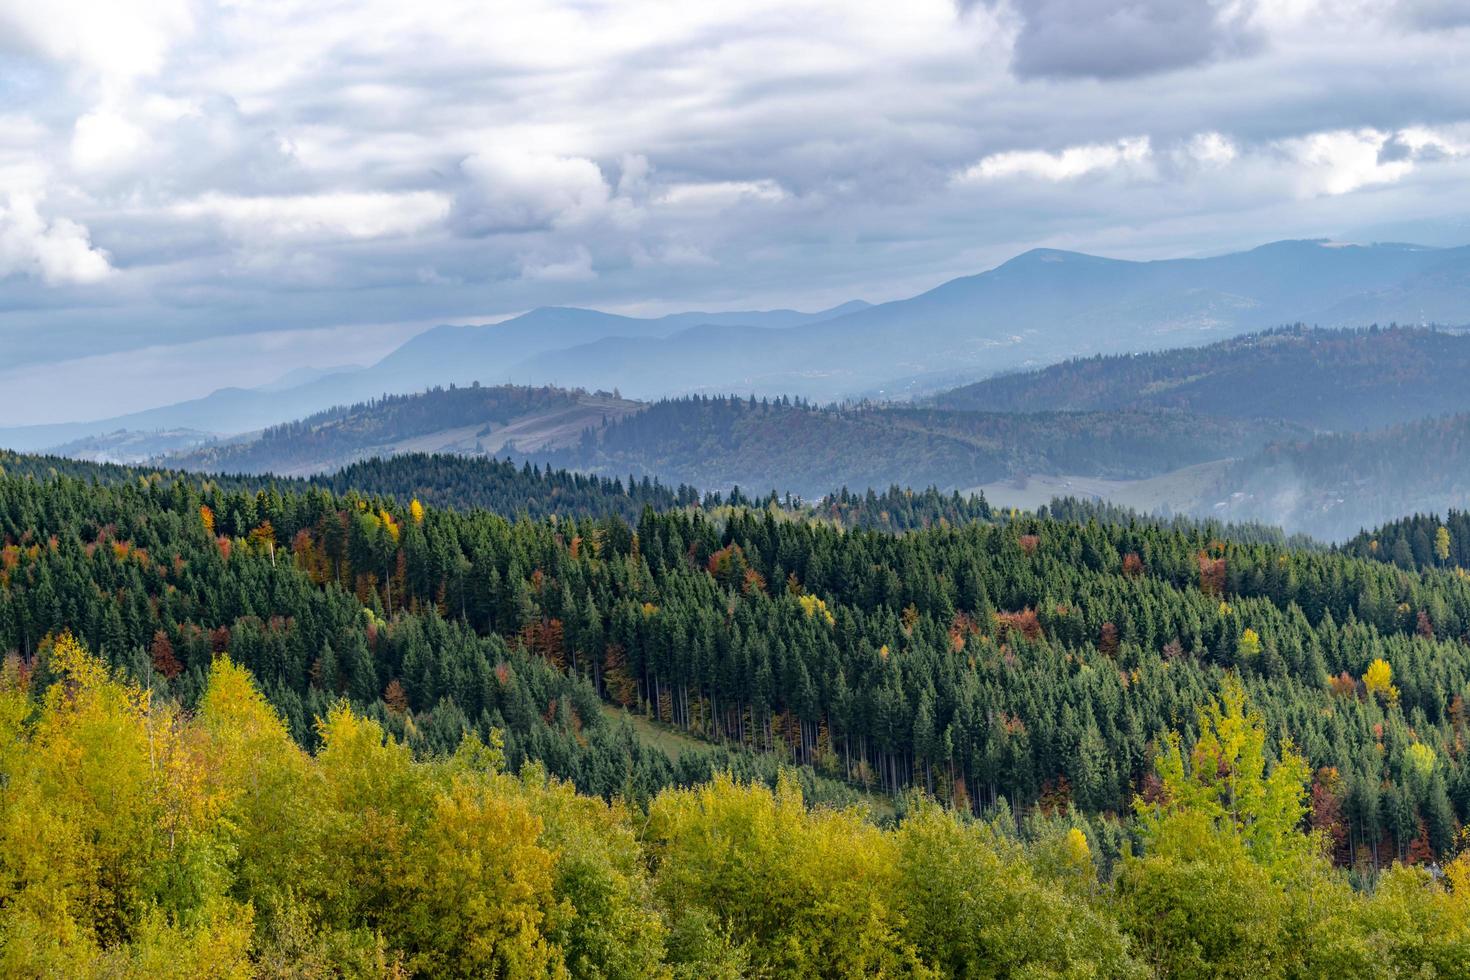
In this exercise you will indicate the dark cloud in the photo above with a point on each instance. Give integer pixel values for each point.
(1111, 39)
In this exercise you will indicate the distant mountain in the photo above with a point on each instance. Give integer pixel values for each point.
(440, 356)
(133, 446)
(1326, 379)
(1332, 486)
(1038, 308)
(297, 377)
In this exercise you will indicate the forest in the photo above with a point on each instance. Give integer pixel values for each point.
(144, 841)
(355, 430)
(1324, 379)
(717, 442)
(1417, 542)
(1079, 726)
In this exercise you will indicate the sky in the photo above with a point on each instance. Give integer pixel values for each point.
(195, 194)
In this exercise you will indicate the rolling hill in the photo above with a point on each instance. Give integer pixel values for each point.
(1038, 308)
(1326, 379)
(720, 443)
(473, 420)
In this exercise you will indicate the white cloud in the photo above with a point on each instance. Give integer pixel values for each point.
(721, 194)
(1131, 153)
(1211, 149)
(1343, 161)
(517, 190)
(104, 140)
(339, 215)
(58, 252)
(576, 267)
(114, 40)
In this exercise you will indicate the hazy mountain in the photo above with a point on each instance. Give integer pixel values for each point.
(718, 443)
(442, 355)
(1038, 308)
(1327, 379)
(130, 446)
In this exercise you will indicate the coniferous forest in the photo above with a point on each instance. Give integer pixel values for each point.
(286, 730)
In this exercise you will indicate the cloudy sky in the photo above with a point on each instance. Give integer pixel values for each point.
(201, 193)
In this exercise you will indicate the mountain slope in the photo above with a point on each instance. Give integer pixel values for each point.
(1327, 379)
(477, 420)
(716, 443)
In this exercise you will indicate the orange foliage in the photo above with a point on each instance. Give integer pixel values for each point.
(1211, 574)
(1023, 622)
(1343, 685)
(395, 697)
(164, 660)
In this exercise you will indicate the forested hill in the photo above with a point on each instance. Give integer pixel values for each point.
(1326, 379)
(1115, 699)
(1334, 485)
(720, 442)
(471, 419)
(516, 490)
(1034, 659)
(459, 482)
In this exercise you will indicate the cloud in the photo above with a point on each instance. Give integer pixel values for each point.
(1125, 38)
(57, 252)
(1132, 153)
(338, 215)
(518, 190)
(298, 164)
(114, 40)
(576, 267)
(1343, 161)
(1433, 15)
(715, 195)
(105, 140)
(1211, 149)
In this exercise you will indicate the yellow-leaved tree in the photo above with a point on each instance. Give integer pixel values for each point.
(113, 857)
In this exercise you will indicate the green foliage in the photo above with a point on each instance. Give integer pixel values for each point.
(721, 442)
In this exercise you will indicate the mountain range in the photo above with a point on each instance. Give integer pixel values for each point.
(1036, 309)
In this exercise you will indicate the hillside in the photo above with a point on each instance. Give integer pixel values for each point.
(440, 356)
(1040, 675)
(1325, 379)
(716, 443)
(474, 419)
